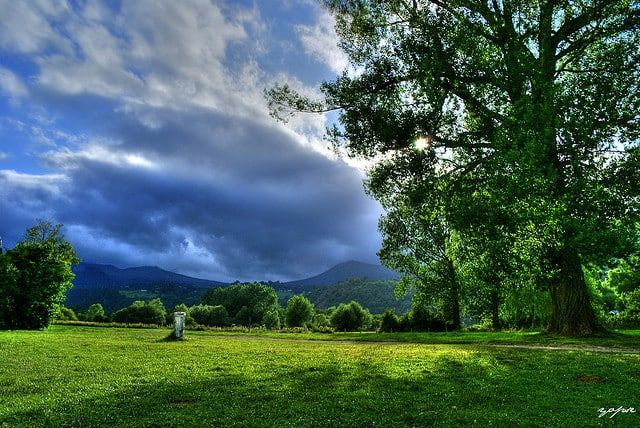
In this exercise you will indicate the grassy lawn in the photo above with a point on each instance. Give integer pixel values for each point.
(84, 376)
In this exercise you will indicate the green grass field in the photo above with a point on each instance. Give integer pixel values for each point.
(86, 376)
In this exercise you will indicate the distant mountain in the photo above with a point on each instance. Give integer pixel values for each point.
(90, 275)
(116, 288)
(342, 272)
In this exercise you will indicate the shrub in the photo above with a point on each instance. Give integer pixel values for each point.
(420, 318)
(350, 317)
(188, 319)
(390, 322)
(66, 314)
(271, 320)
(213, 316)
(320, 321)
(247, 304)
(152, 312)
(95, 313)
(299, 311)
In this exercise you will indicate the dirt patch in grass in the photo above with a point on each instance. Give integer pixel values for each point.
(590, 379)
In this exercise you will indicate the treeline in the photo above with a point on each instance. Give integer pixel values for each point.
(249, 305)
(257, 305)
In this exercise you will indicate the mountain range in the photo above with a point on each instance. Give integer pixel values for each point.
(115, 288)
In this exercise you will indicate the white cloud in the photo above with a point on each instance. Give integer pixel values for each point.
(96, 152)
(15, 181)
(3, 156)
(11, 84)
(321, 42)
(25, 26)
(154, 54)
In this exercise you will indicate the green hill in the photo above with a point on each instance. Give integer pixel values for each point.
(376, 295)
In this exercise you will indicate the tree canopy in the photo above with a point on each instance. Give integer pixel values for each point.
(520, 115)
(35, 276)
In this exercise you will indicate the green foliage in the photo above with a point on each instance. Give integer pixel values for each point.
(247, 304)
(320, 321)
(152, 312)
(214, 316)
(626, 275)
(350, 317)
(389, 322)
(95, 313)
(34, 277)
(422, 318)
(181, 307)
(66, 314)
(631, 303)
(629, 317)
(300, 311)
(478, 112)
(375, 295)
(271, 320)
(526, 307)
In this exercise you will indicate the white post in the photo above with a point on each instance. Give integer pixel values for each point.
(179, 324)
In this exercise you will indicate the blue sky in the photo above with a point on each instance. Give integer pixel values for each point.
(142, 127)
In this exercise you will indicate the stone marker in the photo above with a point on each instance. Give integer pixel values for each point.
(179, 323)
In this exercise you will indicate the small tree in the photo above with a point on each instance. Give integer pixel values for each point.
(271, 320)
(189, 321)
(152, 312)
(246, 303)
(300, 311)
(34, 277)
(66, 314)
(95, 313)
(350, 317)
(214, 316)
(320, 320)
(389, 322)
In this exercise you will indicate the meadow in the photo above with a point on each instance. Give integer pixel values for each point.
(82, 376)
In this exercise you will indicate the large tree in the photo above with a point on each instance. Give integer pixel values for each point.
(533, 102)
(34, 277)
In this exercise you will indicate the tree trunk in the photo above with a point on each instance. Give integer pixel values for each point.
(454, 296)
(495, 310)
(572, 313)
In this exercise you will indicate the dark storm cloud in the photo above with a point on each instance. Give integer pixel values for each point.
(159, 146)
(257, 201)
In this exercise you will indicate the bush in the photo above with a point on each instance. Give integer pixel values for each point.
(247, 304)
(299, 311)
(350, 317)
(420, 318)
(390, 322)
(630, 315)
(66, 314)
(152, 312)
(271, 320)
(188, 319)
(320, 321)
(95, 313)
(213, 316)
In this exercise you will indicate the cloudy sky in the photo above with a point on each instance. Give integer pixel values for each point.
(141, 126)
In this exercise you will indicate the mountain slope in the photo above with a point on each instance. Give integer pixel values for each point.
(115, 288)
(375, 295)
(90, 275)
(342, 272)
